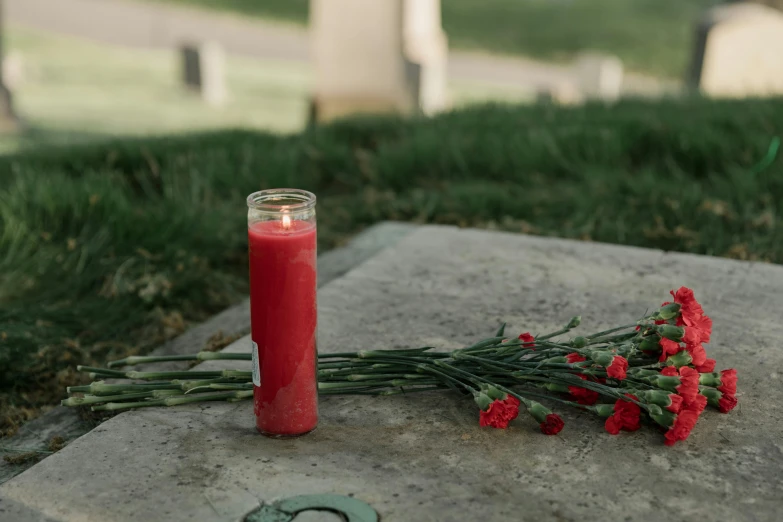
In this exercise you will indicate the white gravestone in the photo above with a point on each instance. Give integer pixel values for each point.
(599, 76)
(377, 56)
(739, 52)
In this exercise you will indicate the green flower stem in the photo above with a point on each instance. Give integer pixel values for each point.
(229, 374)
(367, 370)
(215, 386)
(101, 388)
(25, 450)
(96, 399)
(200, 356)
(483, 344)
(100, 371)
(114, 406)
(611, 330)
(176, 401)
(218, 396)
(382, 392)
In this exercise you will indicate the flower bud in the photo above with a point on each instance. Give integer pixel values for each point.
(579, 342)
(538, 411)
(574, 322)
(603, 410)
(650, 344)
(558, 359)
(662, 417)
(679, 359)
(493, 393)
(713, 395)
(483, 400)
(658, 397)
(554, 387)
(671, 332)
(710, 379)
(603, 358)
(666, 382)
(643, 372)
(669, 311)
(654, 409)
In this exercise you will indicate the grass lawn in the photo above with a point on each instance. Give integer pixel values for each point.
(109, 249)
(652, 36)
(76, 91)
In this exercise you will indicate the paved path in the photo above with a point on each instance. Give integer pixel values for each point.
(423, 457)
(161, 26)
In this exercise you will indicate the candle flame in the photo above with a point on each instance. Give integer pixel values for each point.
(286, 221)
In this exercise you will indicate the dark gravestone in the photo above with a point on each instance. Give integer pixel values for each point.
(202, 71)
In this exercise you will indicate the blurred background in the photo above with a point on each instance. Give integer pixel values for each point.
(132, 130)
(81, 69)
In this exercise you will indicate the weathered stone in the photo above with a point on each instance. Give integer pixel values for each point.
(423, 456)
(229, 324)
(738, 52)
(203, 71)
(380, 56)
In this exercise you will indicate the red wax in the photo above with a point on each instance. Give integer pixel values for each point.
(283, 325)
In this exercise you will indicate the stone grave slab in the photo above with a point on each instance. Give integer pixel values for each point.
(423, 457)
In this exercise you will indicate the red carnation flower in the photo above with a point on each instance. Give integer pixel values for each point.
(728, 382)
(669, 371)
(727, 403)
(689, 384)
(698, 404)
(500, 413)
(703, 325)
(676, 404)
(707, 367)
(626, 416)
(692, 315)
(574, 357)
(690, 309)
(552, 425)
(529, 340)
(668, 347)
(617, 369)
(512, 407)
(691, 335)
(698, 354)
(583, 395)
(681, 429)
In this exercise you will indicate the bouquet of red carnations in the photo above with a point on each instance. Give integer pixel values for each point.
(655, 369)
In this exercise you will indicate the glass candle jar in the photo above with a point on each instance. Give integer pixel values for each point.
(281, 230)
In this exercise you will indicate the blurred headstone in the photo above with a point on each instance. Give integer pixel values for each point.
(426, 51)
(600, 76)
(739, 51)
(8, 117)
(777, 4)
(13, 70)
(564, 93)
(203, 71)
(377, 56)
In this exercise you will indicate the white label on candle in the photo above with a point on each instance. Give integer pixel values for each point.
(256, 366)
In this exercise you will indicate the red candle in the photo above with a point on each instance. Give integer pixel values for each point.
(283, 313)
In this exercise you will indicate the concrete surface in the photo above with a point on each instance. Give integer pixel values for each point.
(423, 457)
(231, 323)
